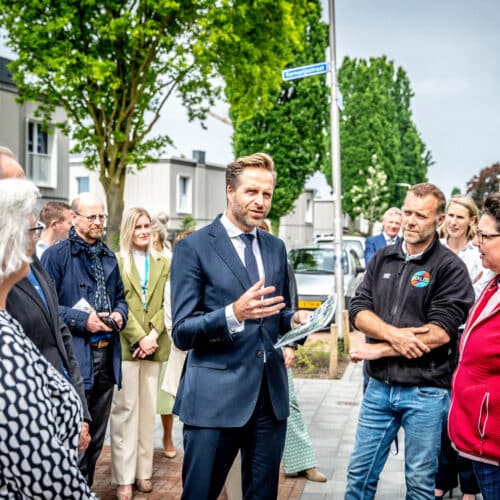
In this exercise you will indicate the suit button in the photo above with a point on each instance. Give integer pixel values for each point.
(260, 354)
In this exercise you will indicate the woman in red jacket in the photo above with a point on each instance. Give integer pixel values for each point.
(474, 420)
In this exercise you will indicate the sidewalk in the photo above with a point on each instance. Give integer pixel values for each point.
(330, 409)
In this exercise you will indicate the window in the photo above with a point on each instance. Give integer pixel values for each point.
(41, 163)
(184, 194)
(82, 184)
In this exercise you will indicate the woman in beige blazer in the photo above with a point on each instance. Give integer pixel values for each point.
(145, 345)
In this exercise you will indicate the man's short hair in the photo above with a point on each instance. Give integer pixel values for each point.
(427, 189)
(492, 208)
(53, 210)
(259, 160)
(392, 211)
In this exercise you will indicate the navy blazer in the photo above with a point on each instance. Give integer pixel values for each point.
(45, 327)
(374, 243)
(223, 371)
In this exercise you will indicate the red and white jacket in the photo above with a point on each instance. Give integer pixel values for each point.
(474, 419)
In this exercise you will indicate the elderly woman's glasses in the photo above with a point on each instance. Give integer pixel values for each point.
(37, 229)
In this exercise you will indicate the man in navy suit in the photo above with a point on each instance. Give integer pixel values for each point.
(230, 303)
(389, 235)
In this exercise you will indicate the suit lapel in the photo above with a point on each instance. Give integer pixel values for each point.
(226, 251)
(155, 266)
(267, 254)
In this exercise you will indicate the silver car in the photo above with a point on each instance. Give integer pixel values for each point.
(314, 268)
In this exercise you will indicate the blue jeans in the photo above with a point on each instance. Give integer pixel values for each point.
(385, 408)
(488, 477)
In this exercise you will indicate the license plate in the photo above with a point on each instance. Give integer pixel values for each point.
(309, 304)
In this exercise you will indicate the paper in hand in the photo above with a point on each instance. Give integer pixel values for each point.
(319, 319)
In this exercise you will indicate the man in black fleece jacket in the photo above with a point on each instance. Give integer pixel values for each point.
(413, 298)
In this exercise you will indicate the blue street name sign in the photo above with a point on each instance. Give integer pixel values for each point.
(304, 71)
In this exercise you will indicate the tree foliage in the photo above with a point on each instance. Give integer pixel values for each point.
(376, 119)
(484, 184)
(113, 64)
(372, 198)
(294, 131)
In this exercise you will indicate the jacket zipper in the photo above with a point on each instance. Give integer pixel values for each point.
(395, 307)
(483, 420)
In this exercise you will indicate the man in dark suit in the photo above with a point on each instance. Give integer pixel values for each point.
(33, 302)
(230, 303)
(389, 235)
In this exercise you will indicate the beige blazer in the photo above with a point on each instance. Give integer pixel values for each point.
(176, 359)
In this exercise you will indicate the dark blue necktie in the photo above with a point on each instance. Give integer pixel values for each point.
(250, 262)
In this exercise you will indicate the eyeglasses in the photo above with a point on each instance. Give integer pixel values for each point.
(482, 237)
(37, 229)
(92, 218)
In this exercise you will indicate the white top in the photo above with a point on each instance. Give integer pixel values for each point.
(41, 246)
(479, 276)
(234, 233)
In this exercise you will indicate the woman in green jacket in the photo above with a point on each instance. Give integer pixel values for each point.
(145, 345)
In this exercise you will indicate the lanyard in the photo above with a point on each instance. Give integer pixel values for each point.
(144, 284)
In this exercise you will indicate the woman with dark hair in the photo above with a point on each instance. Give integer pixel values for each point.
(474, 418)
(40, 412)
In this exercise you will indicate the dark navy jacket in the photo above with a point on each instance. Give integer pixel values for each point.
(69, 267)
(224, 370)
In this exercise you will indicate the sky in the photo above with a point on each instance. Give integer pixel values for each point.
(450, 51)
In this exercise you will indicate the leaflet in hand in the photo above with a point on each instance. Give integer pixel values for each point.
(83, 305)
(319, 319)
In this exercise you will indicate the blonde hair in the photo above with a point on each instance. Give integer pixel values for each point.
(127, 228)
(159, 225)
(17, 201)
(468, 203)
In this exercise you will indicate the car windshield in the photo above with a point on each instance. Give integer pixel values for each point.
(355, 244)
(315, 261)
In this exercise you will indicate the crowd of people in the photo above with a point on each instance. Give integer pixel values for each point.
(89, 337)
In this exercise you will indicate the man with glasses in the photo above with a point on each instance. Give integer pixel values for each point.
(413, 298)
(92, 303)
(33, 302)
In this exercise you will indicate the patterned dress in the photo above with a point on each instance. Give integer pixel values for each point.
(40, 421)
(299, 454)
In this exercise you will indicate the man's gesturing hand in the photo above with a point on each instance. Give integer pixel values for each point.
(406, 342)
(252, 305)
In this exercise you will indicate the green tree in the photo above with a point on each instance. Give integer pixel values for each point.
(371, 199)
(376, 118)
(455, 192)
(484, 183)
(294, 131)
(113, 64)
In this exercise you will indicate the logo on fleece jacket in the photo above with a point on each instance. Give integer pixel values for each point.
(420, 279)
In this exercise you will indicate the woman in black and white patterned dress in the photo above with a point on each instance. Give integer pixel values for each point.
(40, 412)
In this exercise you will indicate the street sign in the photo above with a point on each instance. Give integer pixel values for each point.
(304, 71)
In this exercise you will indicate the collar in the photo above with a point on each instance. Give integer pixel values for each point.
(233, 231)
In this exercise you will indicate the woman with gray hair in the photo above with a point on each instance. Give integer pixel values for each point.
(40, 412)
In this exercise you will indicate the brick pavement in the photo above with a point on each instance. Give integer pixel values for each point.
(167, 484)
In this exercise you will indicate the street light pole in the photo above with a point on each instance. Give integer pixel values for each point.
(336, 177)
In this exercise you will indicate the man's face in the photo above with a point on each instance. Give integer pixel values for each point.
(89, 220)
(420, 221)
(392, 225)
(61, 228)
(249, 203)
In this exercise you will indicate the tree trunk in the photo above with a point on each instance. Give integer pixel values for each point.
(114, 199)
(275, 226)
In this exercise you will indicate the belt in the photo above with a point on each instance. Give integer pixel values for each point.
(101, 344)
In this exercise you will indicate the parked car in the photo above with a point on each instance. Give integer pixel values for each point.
(314, 268)
(357, 243)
